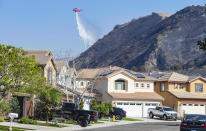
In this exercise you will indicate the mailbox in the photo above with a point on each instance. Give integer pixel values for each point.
(13, 115)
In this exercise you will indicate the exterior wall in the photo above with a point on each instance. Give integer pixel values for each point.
(171, 87)
(198, 81)
(46, 68)
(169, 99)
(145, 88)
(61, 77)
(85, 83)
(157, 87)
(129, 83)
(101, 85)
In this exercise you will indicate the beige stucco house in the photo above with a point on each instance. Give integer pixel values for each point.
(46, 60)
(132, 91)
(185, 94)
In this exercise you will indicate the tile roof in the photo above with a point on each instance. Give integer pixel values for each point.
(187, 95)
(170, 76)
(137, 96)
(94, 72)
(60, 64)
(41, 56)
(109, 72)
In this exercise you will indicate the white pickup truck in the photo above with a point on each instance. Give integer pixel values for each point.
(162, 112)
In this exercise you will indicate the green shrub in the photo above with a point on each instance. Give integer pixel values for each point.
(14, 105)
(2, 119)
(4, 107)
(28, 121)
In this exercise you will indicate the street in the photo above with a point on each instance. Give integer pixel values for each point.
(160, 126)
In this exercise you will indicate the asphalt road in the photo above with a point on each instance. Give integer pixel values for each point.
(163, 126)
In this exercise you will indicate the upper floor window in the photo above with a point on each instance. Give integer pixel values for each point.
(181, 86)
(120, 85)
(137, 84)
(199, 87)
(148, 85)
(162, 87)
(49, 75)
(175, 85)
(142, 85)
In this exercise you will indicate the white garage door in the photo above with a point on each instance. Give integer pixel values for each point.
(147, 106)
(133, 109)
(193, 108)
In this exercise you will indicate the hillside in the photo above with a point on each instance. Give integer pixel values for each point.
(154, 42)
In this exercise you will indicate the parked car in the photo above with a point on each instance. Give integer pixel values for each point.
(162, 112)
(193, 122)
(119, 113)
(70, 111)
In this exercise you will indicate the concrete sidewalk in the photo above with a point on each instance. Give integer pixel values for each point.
(73, 127)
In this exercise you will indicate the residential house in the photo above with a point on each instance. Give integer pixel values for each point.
(65, 75)
(185, 94)
(46, 60)
(132, 91)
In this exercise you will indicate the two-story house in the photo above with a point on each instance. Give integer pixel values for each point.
(64, 78)
(46, 60)
(132, 91)
(185, 94)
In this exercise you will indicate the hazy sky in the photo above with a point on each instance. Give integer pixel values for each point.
(50, 24)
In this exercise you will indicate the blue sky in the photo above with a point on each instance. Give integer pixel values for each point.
(50, 24)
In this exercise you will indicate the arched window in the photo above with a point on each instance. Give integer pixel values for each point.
(120, 85)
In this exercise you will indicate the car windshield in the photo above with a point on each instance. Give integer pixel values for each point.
(196, 117)
(168, 109)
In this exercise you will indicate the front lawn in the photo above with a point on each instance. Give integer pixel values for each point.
(131, 119)
(34, 122)
(6, 128)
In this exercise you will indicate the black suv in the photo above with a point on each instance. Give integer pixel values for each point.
(119, 113)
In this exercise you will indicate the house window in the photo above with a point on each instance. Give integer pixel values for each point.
(120, 85)
(181, 86)
(175, 85)
(148, 85)
(82, 83)
(142, 85)
(137, 84)
(199, 87)
(162, 87)
(49, 75)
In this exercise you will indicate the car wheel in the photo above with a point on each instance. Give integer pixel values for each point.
(84, 123)
(118, 117)
(151, 115)
(165, 117)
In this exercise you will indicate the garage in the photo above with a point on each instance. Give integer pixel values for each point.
(136, 109)
(193, 108)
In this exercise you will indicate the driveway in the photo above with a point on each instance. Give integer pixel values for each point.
(159, 126)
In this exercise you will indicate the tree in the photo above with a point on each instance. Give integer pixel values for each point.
(14, 105)
(18, 72)
(49, 99)
(103, 108)
(175, 67)
(202, 44)
(4, 107)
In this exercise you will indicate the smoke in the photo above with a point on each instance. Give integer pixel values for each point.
(88, 35)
